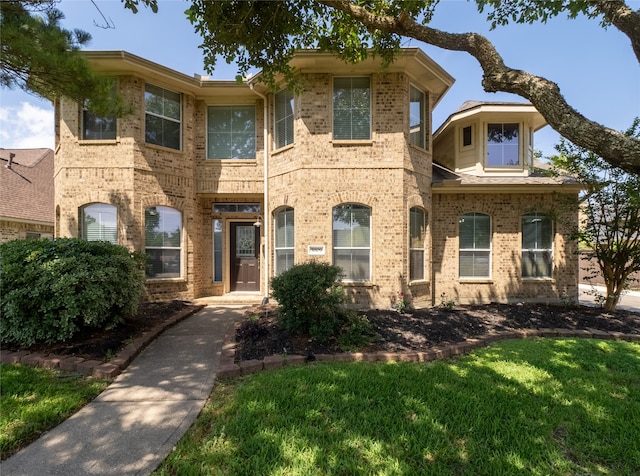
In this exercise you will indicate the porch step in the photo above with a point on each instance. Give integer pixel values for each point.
(248, 299)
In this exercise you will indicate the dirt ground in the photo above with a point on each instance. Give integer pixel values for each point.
(425, 328)
(416, 330)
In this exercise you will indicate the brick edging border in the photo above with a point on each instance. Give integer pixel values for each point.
(96, 368)
(229, 369)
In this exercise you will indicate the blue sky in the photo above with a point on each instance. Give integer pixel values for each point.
(595, 68)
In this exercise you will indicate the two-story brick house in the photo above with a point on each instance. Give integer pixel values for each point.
(225, 184)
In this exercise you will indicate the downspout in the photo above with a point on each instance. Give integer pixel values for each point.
(266, 217)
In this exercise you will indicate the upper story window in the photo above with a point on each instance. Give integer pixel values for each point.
(99, 127)
(467, 136)
(537, 246)
(352, 241)
(163, 117)
(352, 108)
(416, 243)
(99, 222)
(474, 233)
(417, 114)
(503, 145)
(163, 242)
(231, 132)
(283, 120)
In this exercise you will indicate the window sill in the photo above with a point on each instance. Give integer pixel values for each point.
(547, 279)
(283, 149)
(419, 282)
(230, 162)
(165, 280)
(475, 280)
(418, 148)
(99, 141)
(357, 284)
(347, 143)
(163, 148)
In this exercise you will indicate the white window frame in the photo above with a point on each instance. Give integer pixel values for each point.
(287, 119)
(100, 209)
(537, 249)
(346, 277)
(475, 249)
(164, 117)
(254, 137)
(350, 136)
(289, 214)
(413, 249)
(162, 209)
(422, 121)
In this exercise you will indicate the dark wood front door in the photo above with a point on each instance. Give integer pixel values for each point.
(245, 257)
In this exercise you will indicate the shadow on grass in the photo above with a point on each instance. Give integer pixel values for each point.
(535, 407)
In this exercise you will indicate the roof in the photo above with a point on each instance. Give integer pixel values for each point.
(26, 191)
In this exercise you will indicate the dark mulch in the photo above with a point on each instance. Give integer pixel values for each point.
(424, 328)
(103, 344)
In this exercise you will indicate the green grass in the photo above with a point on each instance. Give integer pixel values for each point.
(539, 407)
(33, 400)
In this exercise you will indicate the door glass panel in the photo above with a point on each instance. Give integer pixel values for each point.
(245, 241)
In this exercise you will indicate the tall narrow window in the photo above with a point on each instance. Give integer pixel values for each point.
(284, 231)
(467, 137)
(417, 129)
(475, 245)
(99, 127)
(231, 132)
(163, 117)
(284, 103)
(352, 108)
(352, 241)
(217, 251)
(99, 222)
(537, 246)
(502, 145)
(163, 242)
(416, 243)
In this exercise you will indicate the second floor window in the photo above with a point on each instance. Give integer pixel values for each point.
(163, 117)
(231, 132)
(417, 129)
(99, 127)
(503, 145)
(283, 118)
(352, 108)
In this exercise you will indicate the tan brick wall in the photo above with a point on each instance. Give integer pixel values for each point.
(506, 283)
(13, 230)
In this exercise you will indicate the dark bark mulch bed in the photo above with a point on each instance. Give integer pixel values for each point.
(425, 328)
(95, 344)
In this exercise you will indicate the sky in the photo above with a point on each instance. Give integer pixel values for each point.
(595, 68)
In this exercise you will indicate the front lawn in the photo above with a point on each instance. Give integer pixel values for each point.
(543, 406)
(34, 400)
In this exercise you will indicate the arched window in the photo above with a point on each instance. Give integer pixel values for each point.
(416, 243)
(99, 222)
(537, 246)
(284, 234)
(163, 242)
(352, 241)
(474, 232)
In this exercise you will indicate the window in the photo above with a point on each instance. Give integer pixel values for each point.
(352, 241)
(163, 116)
(220, 207)
(502, 145)
(231, 132)
(416, 243)
(475, 245)
(284, 230)
(284, 118)
(163, 241)
(98, 222)
(352, 108)
(537, 246)
(217, 251)
(417, 129)
(467, 137)
(99, 127)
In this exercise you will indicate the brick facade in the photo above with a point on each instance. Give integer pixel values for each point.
(312, 175)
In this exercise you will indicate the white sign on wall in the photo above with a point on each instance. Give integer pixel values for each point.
(316, 250)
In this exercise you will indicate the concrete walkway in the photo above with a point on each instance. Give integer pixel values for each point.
(134, 424)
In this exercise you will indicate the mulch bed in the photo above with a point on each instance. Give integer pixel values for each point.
(425, 328)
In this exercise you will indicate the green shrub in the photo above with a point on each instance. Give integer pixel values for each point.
(356, 332)
(310, 299)
(49, 290)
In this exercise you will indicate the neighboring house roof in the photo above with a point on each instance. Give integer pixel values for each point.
(26, 185)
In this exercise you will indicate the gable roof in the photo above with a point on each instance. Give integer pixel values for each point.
(26, 190)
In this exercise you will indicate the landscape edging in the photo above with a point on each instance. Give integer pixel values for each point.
(107, 370)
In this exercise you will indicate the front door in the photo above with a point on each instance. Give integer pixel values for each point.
(245, 257)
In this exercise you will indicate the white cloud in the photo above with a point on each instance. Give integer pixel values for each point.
(26, 127)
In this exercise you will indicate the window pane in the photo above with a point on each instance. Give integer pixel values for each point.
(354, 264)
(98, 128)
(416, 118)
(99, 223)
(416, 264)
(474, 264)
(416, 228)
(537, 264)
(466, 136)
(502, 145)
(351, 108)
(474, 231)
(163, 117)
(231, 132)
(352, 240)
(163, 238)
(217, 251)
(284, 229)
(163, 263)
(284, 118)
(284, 260)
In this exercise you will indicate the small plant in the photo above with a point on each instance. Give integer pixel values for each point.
(356, 333)
(401, 302)
(445, 303)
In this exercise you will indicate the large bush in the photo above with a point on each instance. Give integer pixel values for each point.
(310, 299)
(49, 290)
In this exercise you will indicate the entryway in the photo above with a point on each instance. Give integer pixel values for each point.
(244, 259)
